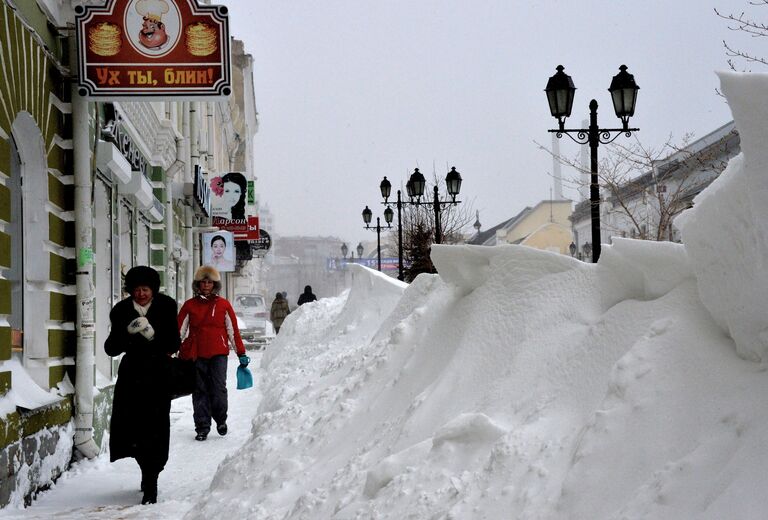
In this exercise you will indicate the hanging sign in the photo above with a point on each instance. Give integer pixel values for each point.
(141, 48)
(263, 244)
(218, 251)
(202, 192)
(242, 228)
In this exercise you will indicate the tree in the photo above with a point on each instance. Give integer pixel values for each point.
(746, 24)
(643, 189)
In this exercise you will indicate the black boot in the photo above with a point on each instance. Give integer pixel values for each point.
(149, 487)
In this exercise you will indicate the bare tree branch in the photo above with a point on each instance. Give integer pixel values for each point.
(750, 26)
(635, 181)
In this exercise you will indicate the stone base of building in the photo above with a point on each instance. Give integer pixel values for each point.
(36, 446)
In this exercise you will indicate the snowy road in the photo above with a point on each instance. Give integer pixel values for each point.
(98, 489)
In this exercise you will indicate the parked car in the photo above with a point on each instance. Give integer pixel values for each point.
(253, 320)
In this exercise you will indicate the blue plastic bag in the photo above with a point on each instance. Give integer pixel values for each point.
(244, 378)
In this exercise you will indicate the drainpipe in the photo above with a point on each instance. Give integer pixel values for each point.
(175, 170)
(85, 300)
(170, 261)
(211, 143)
(185, 107)
(194, 151)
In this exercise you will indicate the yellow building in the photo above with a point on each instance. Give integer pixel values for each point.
(544, 226)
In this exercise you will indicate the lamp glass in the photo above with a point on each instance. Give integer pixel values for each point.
(386, 188)
(453, 182)
(409, 188)
(367, 215)
(560, 93)
(623, 91)
(389, 215)
(360, 250)
(418, 182)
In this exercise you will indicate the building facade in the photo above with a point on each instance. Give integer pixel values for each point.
(126, 178)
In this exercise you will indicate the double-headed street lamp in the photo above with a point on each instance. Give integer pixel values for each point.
(367, 216)
(560, 92)
(415, 190)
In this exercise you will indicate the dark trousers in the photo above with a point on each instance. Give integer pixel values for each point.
(209, 399)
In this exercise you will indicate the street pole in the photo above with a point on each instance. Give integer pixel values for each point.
(378, 240)
(594, 186)
(436, 203)
(400, 275)
(560, 93)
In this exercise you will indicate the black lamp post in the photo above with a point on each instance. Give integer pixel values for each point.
(344, 250)
(415, 190)
(560, 92)
(360, 249)
(367, 216)
(386, 188)
(572, 249)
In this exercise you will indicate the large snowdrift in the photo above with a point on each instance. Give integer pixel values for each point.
(523, 384)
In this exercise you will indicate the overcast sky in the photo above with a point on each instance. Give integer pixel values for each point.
(351, 90)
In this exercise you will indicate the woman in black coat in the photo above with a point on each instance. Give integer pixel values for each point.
(144, 329)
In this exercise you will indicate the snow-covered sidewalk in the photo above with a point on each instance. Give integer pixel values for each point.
(98, 489)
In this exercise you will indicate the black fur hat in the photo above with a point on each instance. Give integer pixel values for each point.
(142, 275)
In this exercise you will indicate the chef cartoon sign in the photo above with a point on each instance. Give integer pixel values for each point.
(152, 26)
(153, 47)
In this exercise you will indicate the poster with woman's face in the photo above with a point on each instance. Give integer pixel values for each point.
(219, 250)
(228, 194)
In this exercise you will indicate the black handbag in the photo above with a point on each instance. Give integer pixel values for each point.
(182, 376)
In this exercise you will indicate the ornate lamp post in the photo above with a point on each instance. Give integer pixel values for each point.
(415, 190)
(367, 216)
(560, 92)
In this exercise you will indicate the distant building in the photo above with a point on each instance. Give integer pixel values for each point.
(545, 226)
(297, 261)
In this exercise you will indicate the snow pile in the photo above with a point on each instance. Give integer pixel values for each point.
(25, 393)
(523, 384)
(727, 231)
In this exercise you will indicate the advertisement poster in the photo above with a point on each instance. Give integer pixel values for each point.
(229, 193)
(219, 250)
(153, 47)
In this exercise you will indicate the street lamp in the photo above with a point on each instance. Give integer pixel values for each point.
(587, 247)
(344, 250)
(360, 249)
(414, 187)
(367, 216)
(572, 249)
(560, 93)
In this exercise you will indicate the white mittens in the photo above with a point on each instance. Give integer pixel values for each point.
(142, 326)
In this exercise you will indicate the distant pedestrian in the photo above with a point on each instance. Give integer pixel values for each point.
(144, 330)
(208, 325)
(278, 311)
(307, 296)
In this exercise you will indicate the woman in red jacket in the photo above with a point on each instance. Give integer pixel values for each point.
(208, 326)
